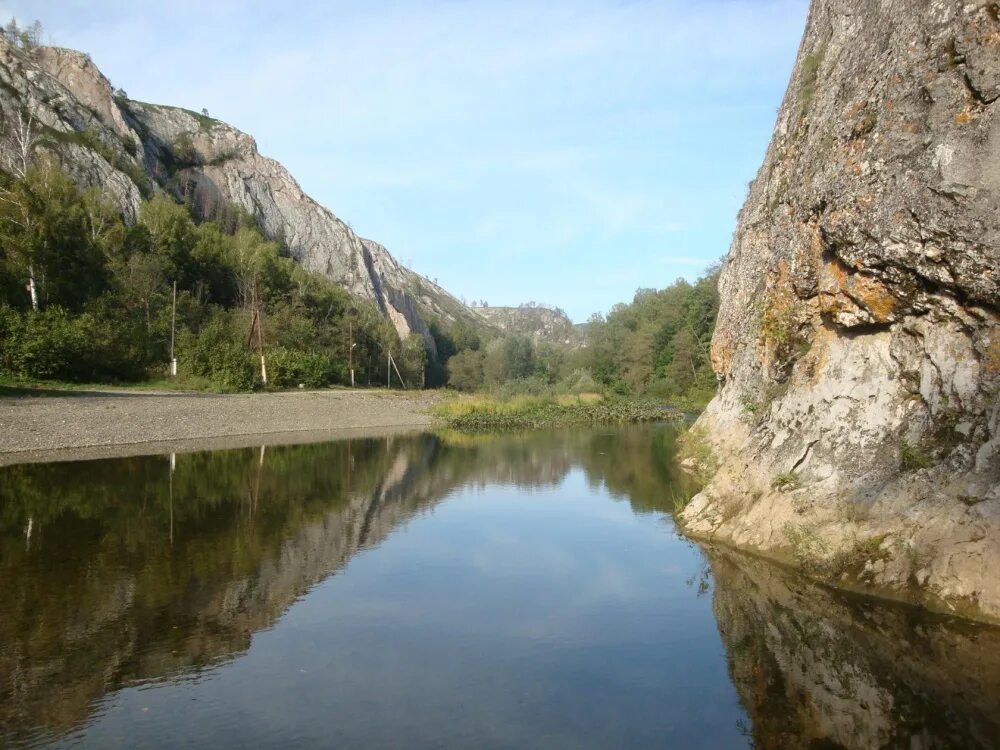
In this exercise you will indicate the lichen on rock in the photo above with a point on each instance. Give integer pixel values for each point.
(856, 344)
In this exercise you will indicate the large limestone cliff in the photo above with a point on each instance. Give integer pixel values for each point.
(130, 148)
(857, 426)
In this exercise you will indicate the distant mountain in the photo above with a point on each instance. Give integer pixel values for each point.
(538, 321)
(134, 149)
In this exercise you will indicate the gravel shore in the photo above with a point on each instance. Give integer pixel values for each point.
(67, 424)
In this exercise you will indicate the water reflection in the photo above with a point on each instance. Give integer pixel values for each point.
(159, 569)
(820, 668)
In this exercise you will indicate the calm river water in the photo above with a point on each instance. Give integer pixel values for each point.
(442, 591)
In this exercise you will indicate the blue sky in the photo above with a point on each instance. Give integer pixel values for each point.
(562, 152)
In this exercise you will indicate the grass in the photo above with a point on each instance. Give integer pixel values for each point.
(785, 480)
(851, 560)
(808, 548)
(694, 445)
(810, 78)
(484, 413)
(912, 457)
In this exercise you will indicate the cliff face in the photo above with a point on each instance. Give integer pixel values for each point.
(541, 323)
(131, 148)
(857, 427)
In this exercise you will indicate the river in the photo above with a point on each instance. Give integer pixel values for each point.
(442, 590)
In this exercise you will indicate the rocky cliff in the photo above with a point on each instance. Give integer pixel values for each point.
(857, 426)
(539, 322)
(132, 149)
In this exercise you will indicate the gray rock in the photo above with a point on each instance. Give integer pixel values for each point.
(129, 148)
(860, 308)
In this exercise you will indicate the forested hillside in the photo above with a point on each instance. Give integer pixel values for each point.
(84, 297)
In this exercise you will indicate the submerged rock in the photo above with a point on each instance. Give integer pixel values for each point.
(857, 427)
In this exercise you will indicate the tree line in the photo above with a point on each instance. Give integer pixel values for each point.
(657, 345)
(84, 297)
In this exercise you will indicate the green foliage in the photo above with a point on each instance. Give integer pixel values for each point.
(785, 480)
(659, 344)
(913, 457)
(105, 297)
(532, 412)
(810, 78)
(465, 370)
(290, 367)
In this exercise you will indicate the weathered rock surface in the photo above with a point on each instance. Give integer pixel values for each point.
(857, 428)
(130, 148)
(537, 321)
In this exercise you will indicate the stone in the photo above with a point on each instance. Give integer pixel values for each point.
(860, 303)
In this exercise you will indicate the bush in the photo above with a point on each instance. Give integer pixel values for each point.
(290, 367)
(465, 370)
(215, 353)
(49, 345)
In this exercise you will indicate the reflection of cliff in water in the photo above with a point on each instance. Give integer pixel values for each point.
(824, 669)
(120, 571)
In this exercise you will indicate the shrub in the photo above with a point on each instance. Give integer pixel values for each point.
(48, 345)
(290, 367)
(215, 353)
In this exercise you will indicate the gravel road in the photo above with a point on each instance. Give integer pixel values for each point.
(36, 425)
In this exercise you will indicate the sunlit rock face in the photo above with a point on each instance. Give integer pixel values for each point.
(130, 149)
(818, 668)
(857, 427)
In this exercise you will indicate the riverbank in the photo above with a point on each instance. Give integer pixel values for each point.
(485, 413)
(37, 423)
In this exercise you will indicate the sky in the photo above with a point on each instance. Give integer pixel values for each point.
(566, 153)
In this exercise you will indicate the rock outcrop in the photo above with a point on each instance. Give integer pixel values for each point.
(131, 149)
(537, 321)
(857, 427)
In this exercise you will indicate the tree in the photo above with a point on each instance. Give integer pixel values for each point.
(519, 357)
(32, 36)
(12, 31)
(465, 370)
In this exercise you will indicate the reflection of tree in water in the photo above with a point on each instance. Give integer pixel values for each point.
(819, 668)
(133, 570)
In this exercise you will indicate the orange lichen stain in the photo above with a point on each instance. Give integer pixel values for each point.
(841, 290)
(852, 111)
(873, 296)
(991, 354)
(722, 351)
(963, 118)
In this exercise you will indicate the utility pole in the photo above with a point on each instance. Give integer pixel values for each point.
(350, 349)
(257, 322)
(388, 370)
(173, 328)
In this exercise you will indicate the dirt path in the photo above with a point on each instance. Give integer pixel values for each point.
(49, 421)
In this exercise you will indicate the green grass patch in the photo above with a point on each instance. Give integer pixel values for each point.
(913, 457)
(785, 480)
(485, 413)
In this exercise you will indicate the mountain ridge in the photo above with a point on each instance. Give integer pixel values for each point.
(131, 149)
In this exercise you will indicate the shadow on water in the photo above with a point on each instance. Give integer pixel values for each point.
(128, 571)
